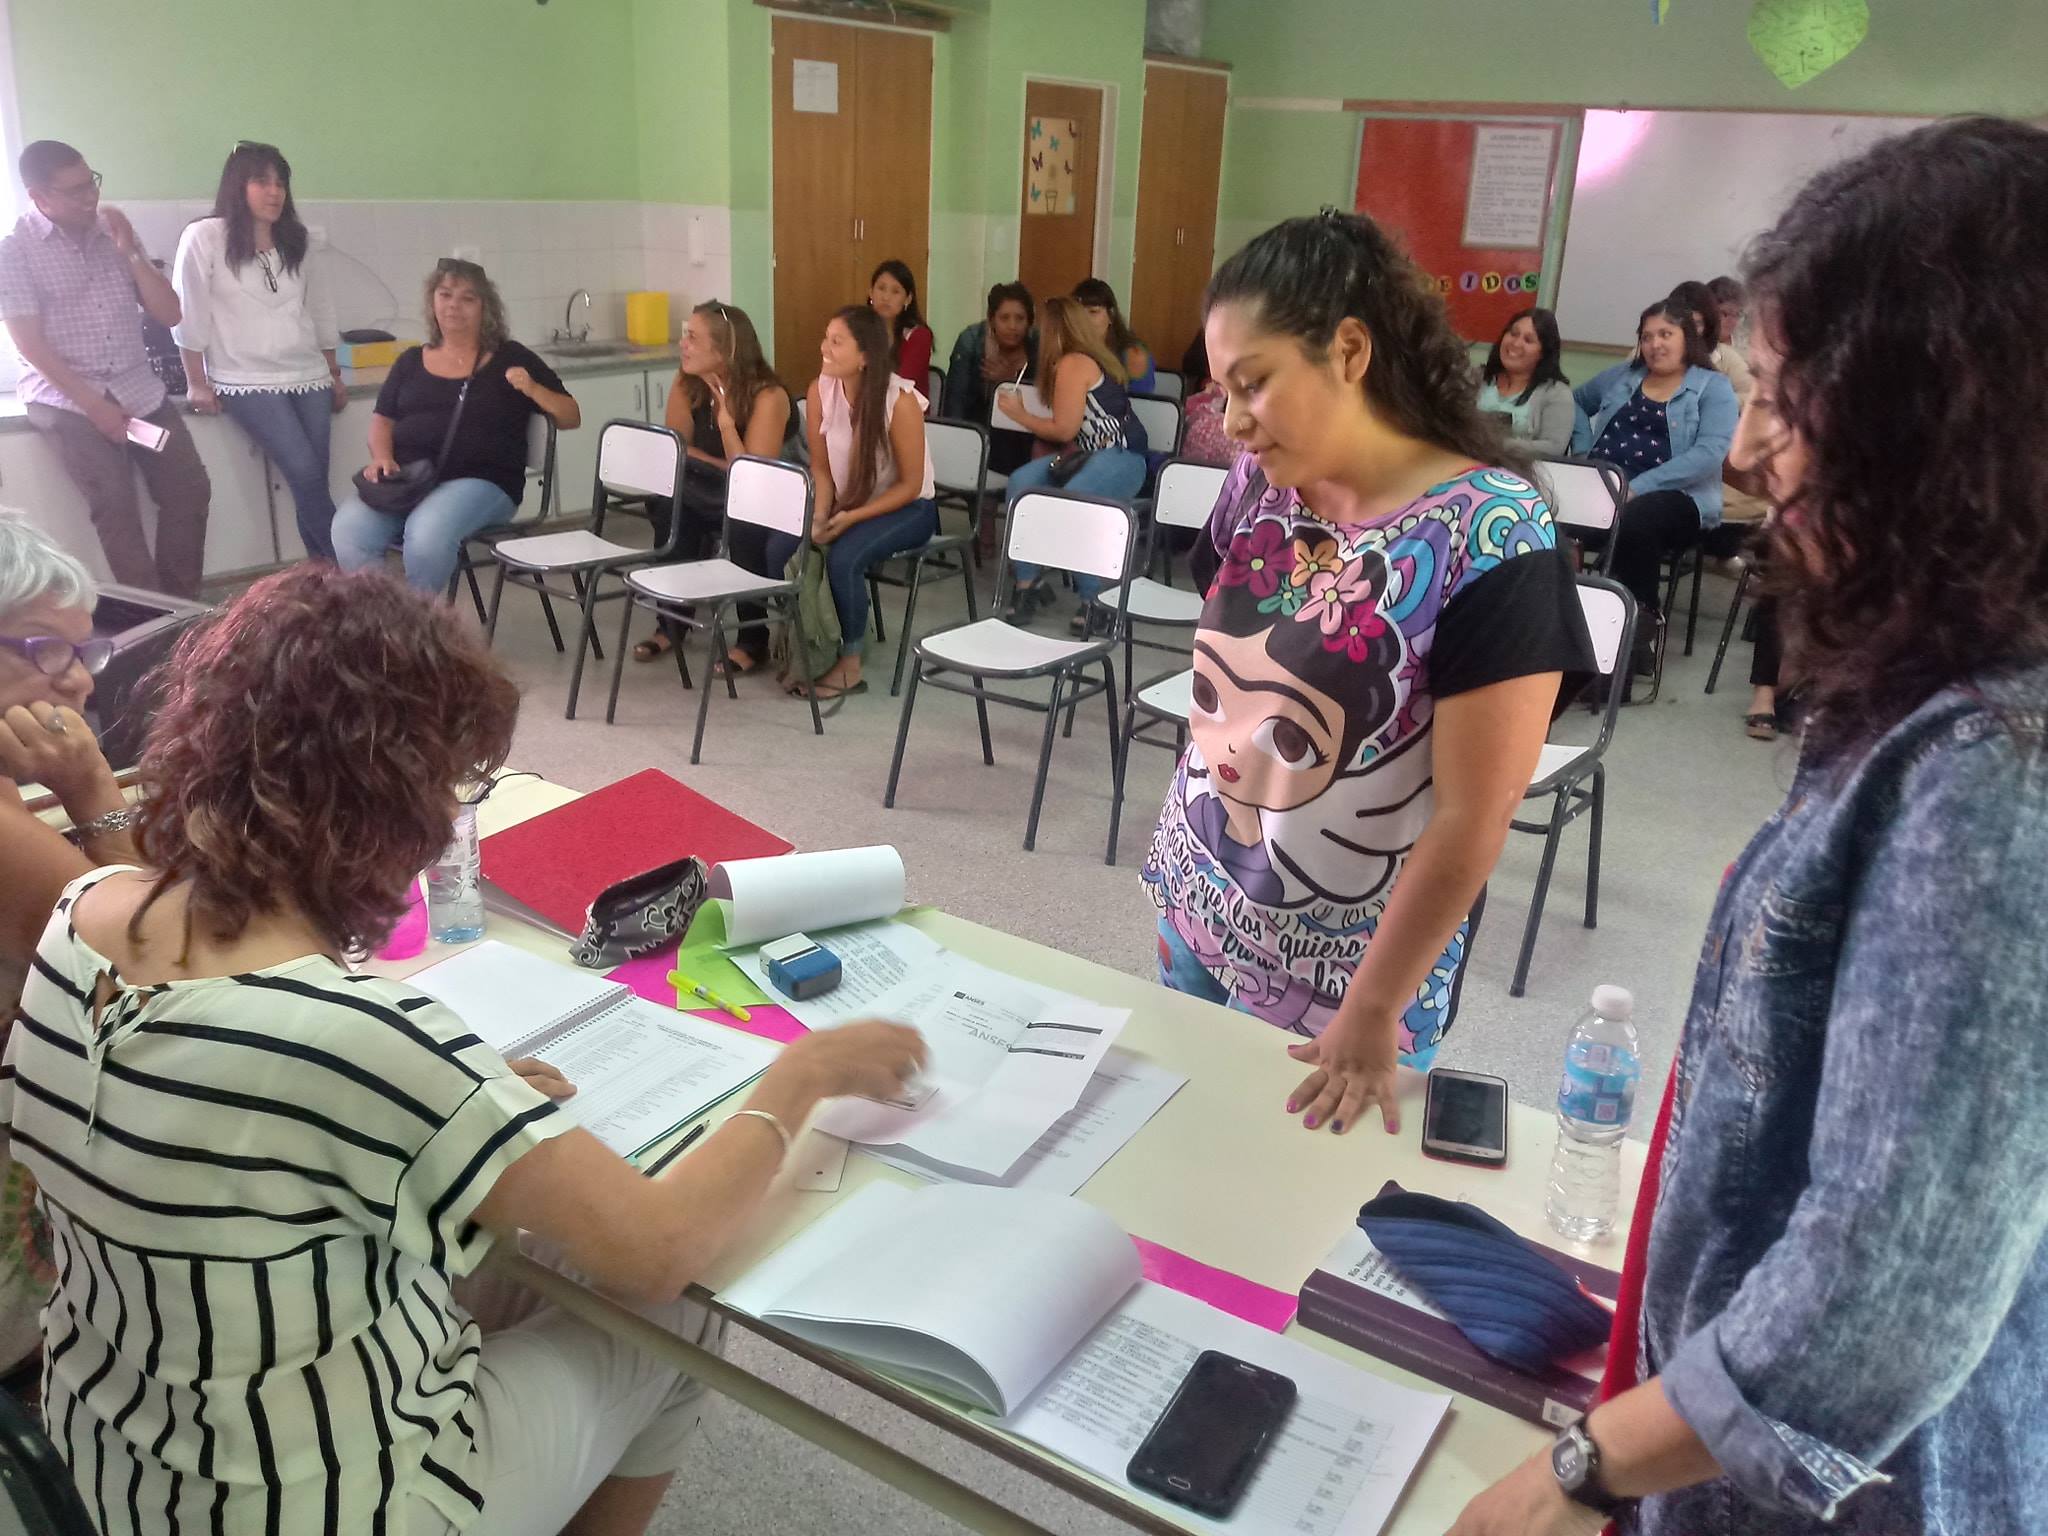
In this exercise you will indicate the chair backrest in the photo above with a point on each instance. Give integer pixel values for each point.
(637, 458)
(1583, 493)
(934, 387)
(1168, 385)
(1187, 493)
(540, 460)
(1611, 622)
(959, 454)
(1161, 419)
(1070, 532)
(37, 1485)
(770, 492)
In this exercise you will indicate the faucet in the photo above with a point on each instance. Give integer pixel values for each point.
(568, 332)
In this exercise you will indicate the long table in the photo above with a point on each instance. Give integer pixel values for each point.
(1221, 1174)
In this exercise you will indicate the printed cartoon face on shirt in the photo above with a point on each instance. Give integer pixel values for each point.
(1270, 741)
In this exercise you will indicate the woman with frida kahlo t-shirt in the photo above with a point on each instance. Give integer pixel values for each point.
(1376, 667)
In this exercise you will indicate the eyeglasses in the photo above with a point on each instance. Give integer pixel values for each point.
(78, 191)
(455, 266)
(52, 656)
(269, 273)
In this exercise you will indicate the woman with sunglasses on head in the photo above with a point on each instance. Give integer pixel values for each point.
(1107, 317)
(725, 400)
(257, 329)
(483, 475)
(48, 656)
(1832, 1315)
(892, 294)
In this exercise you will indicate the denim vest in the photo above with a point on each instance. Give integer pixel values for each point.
(1701, 418)
(1847, 1288)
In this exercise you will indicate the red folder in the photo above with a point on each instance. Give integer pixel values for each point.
(557, 862)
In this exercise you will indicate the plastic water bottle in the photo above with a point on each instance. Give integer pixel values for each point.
(455, 897)
(1595, 1100)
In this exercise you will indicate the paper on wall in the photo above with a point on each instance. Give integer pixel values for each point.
(814, 85)
(1510, 186)
(1798, 39)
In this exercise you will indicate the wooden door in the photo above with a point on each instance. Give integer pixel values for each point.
(1056, 248)
(813, 202)
(1180, 165)
(892, 190)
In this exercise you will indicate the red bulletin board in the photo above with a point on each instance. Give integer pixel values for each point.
(1415, 176)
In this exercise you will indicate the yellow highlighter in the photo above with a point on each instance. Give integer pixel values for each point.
(688, 988)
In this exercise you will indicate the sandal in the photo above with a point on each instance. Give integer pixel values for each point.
(735, 664)
(654, 647)
(1761, 727)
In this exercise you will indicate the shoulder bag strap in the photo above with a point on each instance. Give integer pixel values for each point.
(454, 421)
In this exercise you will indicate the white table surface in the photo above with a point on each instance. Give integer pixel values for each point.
(1221, 1173)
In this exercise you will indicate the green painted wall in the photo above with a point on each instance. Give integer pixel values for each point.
(1922, 57)
(455, 98)
(680, 103)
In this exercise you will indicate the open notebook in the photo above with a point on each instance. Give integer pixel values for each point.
(1030, 1306)
(640, 1070)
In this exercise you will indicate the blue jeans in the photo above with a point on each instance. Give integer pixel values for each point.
(1116, 474)
(293, 430)
(431, 534)
(848, 557)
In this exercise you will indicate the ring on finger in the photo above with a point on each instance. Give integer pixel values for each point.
(53, 722)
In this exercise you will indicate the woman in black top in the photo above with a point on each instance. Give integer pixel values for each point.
(725, 400)
(485, 470)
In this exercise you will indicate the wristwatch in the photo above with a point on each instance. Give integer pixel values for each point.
(1575, 1461)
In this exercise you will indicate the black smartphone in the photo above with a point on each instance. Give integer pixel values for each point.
(1208, 1442)
(1465, 1118)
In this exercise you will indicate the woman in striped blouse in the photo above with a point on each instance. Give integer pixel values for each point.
(263, 1172)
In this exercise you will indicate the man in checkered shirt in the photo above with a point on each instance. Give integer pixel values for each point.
(70, 277)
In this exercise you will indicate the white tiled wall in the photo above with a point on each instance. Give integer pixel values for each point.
(379, 254)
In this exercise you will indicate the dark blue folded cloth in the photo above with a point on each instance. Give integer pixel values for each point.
(1509, 1300)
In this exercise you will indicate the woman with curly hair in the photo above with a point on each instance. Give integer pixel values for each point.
(1358, 743)
(1837, 1286)
(263, 1171)
(470, 360)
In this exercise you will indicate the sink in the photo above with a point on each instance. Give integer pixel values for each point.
(575, 349)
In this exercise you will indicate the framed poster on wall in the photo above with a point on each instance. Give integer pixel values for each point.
(1473, 199)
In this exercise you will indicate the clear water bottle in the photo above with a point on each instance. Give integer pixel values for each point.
(1595, 1101)
(455, 896)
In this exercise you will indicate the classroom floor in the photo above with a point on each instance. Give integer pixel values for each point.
(1686, 789)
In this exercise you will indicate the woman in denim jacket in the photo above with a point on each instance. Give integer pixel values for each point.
(1664, 419)
(1843, 1319)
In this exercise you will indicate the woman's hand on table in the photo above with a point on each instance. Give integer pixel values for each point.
(542, 1078)
(1357, 1060)
(1527, 1502)
(869, 1059)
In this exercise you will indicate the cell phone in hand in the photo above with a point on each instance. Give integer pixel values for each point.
(147, 434)
(1223, 1418)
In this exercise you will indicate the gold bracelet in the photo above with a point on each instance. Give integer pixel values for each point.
(775, 1122)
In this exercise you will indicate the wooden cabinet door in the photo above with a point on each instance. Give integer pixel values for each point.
(1056, 249)
(892, 187)
(815, 166)
(1180, 164)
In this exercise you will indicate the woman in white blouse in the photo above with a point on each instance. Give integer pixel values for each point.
(258, 329)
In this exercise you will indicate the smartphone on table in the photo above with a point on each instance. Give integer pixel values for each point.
(1465, 1118)
(1206, 1445)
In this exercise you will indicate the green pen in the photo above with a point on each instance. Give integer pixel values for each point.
(685, 986)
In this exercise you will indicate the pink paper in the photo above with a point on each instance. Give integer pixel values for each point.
(1221, 1289)
(648, 977)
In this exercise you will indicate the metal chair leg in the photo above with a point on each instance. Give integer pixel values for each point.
(1728, 628)
(875, 607)
(1597, 811)
(583, 590)
(682, 666)
(611, 707)
(1123, 763)
(1557, 820)
(988, 751)
(586, 643)
(1109, 699)
(498, 597)
(704, 694)
(902, 736)
(547, 609)
(909, 614)
(1692, 617)
(1052, 720)
(476, 593)
(967, 580)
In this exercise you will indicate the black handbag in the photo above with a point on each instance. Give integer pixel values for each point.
(1067, 465)
(396, 495)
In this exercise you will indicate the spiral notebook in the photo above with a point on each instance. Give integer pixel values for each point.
(640, 1070)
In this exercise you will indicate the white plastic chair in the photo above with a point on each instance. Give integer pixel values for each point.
(1574, 779)
(1162, 419)
(769, 493)
(1164, 701)
(635, 459)
(1168, 385)
(959, 455)
(1059, 530)
(475, 550)
(1186, 496)
(1585, 497)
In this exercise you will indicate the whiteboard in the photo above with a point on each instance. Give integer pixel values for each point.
(1660, 197)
